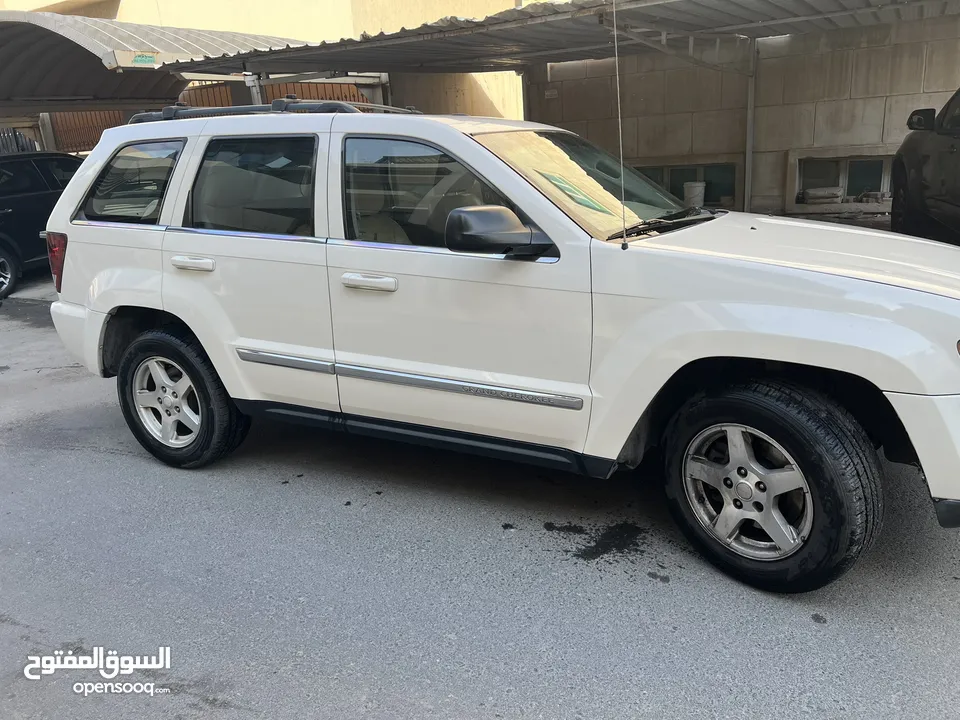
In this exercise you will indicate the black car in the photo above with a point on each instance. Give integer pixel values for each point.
(926, 174)
(30, 184)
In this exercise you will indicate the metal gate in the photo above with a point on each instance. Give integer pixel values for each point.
(14, 141)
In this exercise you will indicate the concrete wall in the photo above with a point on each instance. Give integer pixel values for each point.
(498, 94)
(836, 94)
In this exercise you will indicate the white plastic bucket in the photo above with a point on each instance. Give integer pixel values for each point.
(693, 193)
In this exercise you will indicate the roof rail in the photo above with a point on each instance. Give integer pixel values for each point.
(288, 104)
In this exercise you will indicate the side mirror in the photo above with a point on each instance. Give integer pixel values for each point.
(494, 230)
(922, 119)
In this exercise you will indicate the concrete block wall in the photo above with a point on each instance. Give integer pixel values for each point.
(831, 93)
(669, 107)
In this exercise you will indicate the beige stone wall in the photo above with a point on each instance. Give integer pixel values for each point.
(497, 94)
(839, 93)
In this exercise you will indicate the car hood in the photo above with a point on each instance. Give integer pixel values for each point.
(873, 255)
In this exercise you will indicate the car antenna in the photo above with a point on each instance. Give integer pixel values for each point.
(616, 69)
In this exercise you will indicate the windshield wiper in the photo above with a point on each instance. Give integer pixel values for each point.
(670, 221)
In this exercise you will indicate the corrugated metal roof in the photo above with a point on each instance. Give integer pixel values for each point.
(50, 62)
(576, 30)
(120, 44)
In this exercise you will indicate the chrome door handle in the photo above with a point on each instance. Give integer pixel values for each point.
(360, 281)
(5, 211)
(187, 262)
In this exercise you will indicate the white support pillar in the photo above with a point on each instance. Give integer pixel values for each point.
(751, 113)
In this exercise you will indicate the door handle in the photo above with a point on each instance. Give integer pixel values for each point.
(360, 281)
(6, 211)
(953, 148)
(186, 262)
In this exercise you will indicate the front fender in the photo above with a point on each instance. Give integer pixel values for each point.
(641, 343)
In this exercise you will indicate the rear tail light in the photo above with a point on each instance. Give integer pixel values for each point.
(57, 252)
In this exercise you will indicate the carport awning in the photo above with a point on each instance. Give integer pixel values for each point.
(577, 30)
(57, 62)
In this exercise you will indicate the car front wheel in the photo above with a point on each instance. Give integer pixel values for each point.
(776, 484)
(174, 402)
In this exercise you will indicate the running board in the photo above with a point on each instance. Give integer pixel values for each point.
(530, 453)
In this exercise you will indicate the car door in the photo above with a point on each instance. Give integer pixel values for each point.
(24, 208)
(940, 172)
(470, 343)
(948, 134)
(246, 266)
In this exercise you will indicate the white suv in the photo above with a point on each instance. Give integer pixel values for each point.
(464, 283)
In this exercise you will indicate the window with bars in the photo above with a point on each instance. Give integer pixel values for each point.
(720, 179)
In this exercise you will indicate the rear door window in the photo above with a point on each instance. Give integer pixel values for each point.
(132, 185)
(20, 177)
(256, 185)
(58, 170)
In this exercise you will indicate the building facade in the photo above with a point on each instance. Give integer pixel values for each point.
(831, 109)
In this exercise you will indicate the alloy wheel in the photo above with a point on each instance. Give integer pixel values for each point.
(747, 492)
(6, 274)
(167, 402)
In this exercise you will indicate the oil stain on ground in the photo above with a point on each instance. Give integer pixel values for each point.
(619, 539)
(621, 543)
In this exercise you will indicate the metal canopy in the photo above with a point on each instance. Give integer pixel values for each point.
(577, 30)
(60, 62)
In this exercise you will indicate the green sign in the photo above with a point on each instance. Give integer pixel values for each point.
(574, 193)
(145, 59)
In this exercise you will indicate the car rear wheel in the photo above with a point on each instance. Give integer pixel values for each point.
(776, 484)
(174, 403)
(9, 271)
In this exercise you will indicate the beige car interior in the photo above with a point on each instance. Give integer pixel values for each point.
(233, 198)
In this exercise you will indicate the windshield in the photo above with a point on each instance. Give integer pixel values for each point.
(581, 179)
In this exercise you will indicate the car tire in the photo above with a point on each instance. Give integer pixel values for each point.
(9, 271)
(824, 523)
(174, 402)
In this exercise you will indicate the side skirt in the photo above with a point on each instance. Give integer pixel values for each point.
(531, 453)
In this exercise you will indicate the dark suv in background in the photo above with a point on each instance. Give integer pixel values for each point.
(30, 184)
(926, 175)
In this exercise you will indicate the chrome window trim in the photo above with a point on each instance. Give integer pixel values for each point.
(433, 250)
(129, 226)
(289, 361)
(244, 233)
(427, 382)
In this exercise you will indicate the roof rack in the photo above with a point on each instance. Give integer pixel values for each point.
(288, 104)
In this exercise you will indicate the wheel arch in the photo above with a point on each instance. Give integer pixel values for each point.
(124, 323)
(7, 242)
(863, 399)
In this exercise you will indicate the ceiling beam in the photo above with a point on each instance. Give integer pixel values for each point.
(818, 16)
(666, 50)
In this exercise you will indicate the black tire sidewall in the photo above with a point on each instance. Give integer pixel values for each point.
(162, 345)
(817, 561)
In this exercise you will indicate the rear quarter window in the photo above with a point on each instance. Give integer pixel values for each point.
(131, 187)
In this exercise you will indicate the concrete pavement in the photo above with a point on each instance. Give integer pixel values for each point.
(316, 576)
